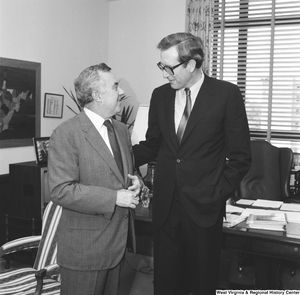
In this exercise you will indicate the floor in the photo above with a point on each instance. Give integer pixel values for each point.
(137, 275)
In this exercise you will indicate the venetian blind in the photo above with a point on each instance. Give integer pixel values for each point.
(256, 45)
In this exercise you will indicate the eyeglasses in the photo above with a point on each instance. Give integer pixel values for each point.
(168, 69)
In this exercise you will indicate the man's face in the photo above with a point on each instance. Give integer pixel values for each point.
(182, 74)
(110, 93)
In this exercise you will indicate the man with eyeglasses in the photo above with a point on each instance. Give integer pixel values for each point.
(198, 133)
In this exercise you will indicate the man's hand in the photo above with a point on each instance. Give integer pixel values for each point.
(136, 185)
(127, 198)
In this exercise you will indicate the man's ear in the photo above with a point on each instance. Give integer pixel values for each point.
(96, 96)
(192, 65)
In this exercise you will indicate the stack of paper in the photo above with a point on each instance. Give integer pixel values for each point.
(267, 204)
(290, 207)
(293, 230)
(270, 221)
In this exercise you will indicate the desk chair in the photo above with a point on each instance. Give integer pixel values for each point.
(268, 178)
(269, 174)
(30, 280)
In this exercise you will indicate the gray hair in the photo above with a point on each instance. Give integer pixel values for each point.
(87, 82)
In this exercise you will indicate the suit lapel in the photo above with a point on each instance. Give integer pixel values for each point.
(96, 141)
(169, 112)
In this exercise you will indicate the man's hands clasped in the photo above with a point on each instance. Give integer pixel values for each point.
(129, 197)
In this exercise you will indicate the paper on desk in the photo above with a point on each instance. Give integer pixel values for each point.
(249, 211)
(267, 204)
(292, 216)
(245, 202)
(290, 207)
(234, 209)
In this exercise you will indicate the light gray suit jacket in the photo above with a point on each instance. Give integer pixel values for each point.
(84, 179)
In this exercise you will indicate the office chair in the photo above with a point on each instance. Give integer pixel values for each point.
(31, 280)
(269, 174)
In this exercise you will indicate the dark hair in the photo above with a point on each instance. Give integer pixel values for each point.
(87, 82)
(188, 47)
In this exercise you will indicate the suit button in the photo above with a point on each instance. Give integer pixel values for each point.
(126, 216)
(178, 160)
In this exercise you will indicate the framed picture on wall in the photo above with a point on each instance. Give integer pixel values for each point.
(41, 145)
(53, 105)
(20, 100)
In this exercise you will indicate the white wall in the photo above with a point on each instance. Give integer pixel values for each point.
(65, 37)
(135, 29)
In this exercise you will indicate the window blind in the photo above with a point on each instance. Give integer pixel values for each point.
(256, 45)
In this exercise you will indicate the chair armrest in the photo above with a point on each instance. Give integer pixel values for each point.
(52, 270)
(48, 271)
(292, 198)
(20, 244)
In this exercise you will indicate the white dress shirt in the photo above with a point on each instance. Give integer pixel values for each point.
(98, 123)
(180, 100)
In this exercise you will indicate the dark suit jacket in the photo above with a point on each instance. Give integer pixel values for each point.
(217, 129)
(84, 179)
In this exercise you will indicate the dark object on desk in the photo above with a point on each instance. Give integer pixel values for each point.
(24, 280)
(295, 198)
(149, 178)
(295, 181)
(41, 146)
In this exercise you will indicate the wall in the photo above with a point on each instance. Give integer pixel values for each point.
(135, 29)
(65, 37)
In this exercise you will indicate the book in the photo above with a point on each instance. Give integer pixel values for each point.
(270, 221)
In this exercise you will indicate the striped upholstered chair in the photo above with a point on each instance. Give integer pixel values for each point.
(43, 277)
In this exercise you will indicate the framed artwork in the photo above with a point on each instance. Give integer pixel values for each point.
(53, 105)
(20, 102)
(41, 145)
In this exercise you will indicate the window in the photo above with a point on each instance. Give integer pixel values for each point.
(256, 45)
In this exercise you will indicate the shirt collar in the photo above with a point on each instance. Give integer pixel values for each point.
(196, 87)
(96, 119)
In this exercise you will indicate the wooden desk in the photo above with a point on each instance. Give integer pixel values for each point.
(261, 243)
(144, 230)
(240, 238)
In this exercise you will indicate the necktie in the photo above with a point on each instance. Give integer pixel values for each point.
(185, 116)
(114, 144)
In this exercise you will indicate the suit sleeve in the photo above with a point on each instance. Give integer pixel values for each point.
(238, 152)
(147, 150)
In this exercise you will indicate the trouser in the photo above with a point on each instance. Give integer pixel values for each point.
(186, 256)
(97, 282)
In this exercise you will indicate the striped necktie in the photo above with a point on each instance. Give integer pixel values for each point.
(185, 116)
(114, 144)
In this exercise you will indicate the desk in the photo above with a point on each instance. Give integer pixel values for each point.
(261, 242)
(269, 244)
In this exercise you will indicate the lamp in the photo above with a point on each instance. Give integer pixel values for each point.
(139, 130)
